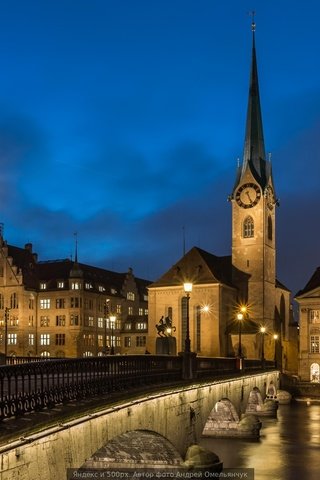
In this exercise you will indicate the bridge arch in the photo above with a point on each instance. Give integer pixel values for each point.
(177, 414)
(142, 447)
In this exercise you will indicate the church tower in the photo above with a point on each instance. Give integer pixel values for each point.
(253, 215)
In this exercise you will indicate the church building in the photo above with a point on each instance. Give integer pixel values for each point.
(237, 305)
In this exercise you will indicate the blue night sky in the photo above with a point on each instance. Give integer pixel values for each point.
(122, 120)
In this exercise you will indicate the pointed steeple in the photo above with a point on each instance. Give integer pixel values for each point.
(76, 271)
(254, 156)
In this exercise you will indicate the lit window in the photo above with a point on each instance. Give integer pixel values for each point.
(141, 326)
(130, 310)
(45, 339)
(100, 322)
(127, 326)
(100, 340)
(44, 303)
(140, 311)
(88, 286)
(88, 339)
(45, 354)
(60, 284)
(101, 288)
(130, 296)
(113, 291)
(12, 339)
(248, 227)
(146, 311)
(31, 339)
(43, 286)
(87, 354)
(75, 285)
(118, 308)
(127, 342)
(314, 344)
(145, 298)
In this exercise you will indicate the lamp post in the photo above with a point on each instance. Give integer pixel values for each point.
(112, 319)
(275, 338)
(6, 318)
(187, 344)
(263, 331)
(106, 313)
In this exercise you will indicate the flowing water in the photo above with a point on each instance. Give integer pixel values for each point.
(288, 448)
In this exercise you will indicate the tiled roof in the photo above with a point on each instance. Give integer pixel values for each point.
(313, 283)
(199, 267)
(52, 270)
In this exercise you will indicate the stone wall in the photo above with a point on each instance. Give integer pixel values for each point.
(178, 415)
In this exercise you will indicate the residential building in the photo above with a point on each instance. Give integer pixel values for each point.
(64, 308)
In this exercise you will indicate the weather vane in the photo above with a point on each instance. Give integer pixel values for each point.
(253, 24)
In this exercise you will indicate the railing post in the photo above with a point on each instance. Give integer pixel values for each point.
(189, 365)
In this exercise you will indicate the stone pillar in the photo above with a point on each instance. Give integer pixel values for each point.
(189, 365)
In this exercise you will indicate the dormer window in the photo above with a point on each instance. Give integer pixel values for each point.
(88, 286)
(113, 291)
(75, 285)
(43, 286)
(130, 296)
(60, 284)
(101, 288)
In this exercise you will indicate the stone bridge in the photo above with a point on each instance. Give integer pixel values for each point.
(174, 418)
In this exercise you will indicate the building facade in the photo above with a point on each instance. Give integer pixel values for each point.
(64, 308)
(246, 280)
(309, 332)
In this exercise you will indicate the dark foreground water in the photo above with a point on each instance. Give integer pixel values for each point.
(289, 446)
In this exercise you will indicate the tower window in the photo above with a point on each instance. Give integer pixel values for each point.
(269, 228)
(248, 227)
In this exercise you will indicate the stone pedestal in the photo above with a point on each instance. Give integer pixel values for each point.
(166, 346)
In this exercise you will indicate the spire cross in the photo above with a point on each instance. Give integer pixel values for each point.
(253, 23)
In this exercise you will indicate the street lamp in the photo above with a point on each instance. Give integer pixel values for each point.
(6, 318)
(112, 319)
(263, 331)
(240, 317)
(187, 289)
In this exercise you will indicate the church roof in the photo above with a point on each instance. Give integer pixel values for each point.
(254, 157)
(313, 283)
(198, 266)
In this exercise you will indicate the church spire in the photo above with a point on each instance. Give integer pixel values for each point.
(254, 156)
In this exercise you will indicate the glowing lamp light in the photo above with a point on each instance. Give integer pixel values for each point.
(187, 287)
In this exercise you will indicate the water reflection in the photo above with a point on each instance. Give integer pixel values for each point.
(288, 448)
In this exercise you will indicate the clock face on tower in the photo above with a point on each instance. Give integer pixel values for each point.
(248, 195)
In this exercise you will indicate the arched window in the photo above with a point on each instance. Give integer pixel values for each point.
(269, 228)
(314, 373)
(248, 227)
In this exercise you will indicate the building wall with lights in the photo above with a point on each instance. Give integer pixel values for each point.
(309, 329)
(67, 309)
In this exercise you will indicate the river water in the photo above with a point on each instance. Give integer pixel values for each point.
(288, 448)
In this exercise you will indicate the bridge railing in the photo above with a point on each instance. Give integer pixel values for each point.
(35, 385)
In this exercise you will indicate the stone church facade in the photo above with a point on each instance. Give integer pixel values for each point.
(247, 278)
